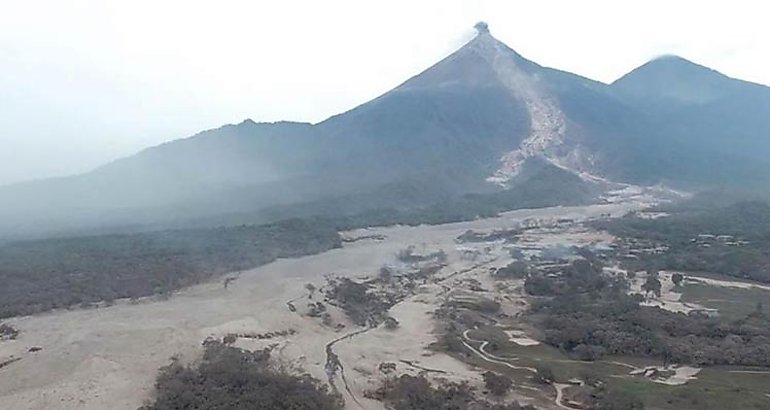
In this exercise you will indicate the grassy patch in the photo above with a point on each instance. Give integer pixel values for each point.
(733, 303)
(563, 366)
(715, 389)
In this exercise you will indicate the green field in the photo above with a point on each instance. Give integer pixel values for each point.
(732, 303)
(715, 388)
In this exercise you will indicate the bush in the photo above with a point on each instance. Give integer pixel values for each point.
(497, 384)
(616, 400)
(229, 339)
(589, 352)
(8, 332)
(544, 375)
(514, 270)
(391, 323)
(488, 306)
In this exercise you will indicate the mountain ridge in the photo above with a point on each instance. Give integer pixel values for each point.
(467, 124)
(679, 79)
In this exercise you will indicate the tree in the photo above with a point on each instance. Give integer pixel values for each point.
(544, 375)
(386, 274)
(677, 278)
(387, 367)
(310, 290)
(8, 332)
(228, 281)
(229, 339)
(617, 400)
(652, 285)
(316, 309)
(497, 384)
(514, 270)
(589, 352)
(391, 323)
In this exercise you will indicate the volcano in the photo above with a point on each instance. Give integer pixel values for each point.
(482, 121)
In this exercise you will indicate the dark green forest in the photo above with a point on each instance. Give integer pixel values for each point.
(416, 393)
(745, 256)
(235, 379)
(42, 275)
(590, 315)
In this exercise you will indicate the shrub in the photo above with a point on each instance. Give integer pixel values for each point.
(8, 332)
(391, 323)
(544, 375)
(497, 384)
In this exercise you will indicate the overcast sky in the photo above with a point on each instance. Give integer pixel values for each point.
(83, 82)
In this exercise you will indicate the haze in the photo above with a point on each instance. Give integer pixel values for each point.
(84, 82)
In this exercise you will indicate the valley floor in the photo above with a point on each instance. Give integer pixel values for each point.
(109, 357)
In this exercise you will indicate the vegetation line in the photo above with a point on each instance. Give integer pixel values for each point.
(9, 361)
(425, 369)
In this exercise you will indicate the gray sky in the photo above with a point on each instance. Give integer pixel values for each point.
(83, 82)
